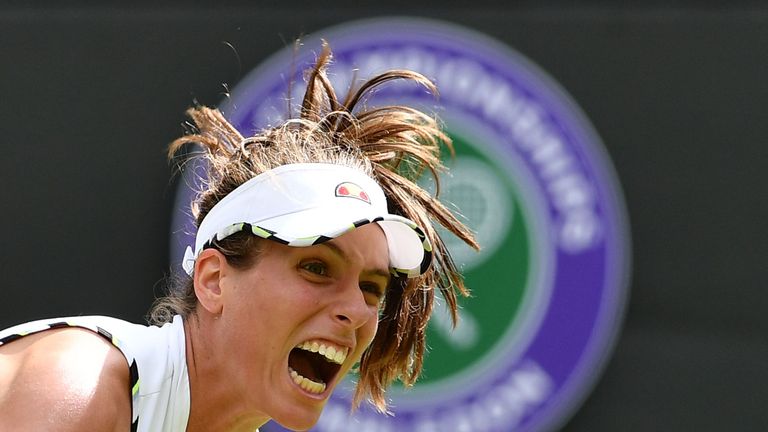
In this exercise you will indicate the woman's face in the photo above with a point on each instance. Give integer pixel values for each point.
(298, 320)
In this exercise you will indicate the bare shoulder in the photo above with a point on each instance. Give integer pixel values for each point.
(64, 380)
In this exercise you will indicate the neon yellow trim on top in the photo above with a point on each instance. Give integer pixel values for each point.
(260, 232)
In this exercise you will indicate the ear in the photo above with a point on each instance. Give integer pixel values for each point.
(207, 277)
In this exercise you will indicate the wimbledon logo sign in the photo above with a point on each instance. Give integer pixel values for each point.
(532, 179)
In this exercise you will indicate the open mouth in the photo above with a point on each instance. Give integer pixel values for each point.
(314, 364)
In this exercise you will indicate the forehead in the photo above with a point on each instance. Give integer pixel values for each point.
(366, 243)
(365, 246)
(370, 247)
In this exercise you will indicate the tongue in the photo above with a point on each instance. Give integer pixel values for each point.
(301, 362)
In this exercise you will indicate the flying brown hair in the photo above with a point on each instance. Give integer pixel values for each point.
(395, 145)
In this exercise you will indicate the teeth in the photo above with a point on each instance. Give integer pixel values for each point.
(306, 383)
(332, 353)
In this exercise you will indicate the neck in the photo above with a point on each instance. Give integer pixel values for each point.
(211, 389)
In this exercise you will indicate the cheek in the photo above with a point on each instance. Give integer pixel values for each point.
(278, 302)
(368, 331)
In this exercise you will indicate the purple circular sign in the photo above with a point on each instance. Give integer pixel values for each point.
(532, 179)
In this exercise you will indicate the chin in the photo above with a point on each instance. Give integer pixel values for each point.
(297, 426)
(298, 421)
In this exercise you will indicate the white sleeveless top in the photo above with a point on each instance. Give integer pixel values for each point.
(159, 383)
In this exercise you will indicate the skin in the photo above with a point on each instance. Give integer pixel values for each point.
(249, 320)
(63, 380)
(237, 344)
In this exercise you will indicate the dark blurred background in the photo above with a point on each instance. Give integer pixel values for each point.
(90, 96)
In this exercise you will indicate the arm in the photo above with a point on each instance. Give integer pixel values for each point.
(64, 380)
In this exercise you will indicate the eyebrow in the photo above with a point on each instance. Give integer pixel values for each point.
(341, 254)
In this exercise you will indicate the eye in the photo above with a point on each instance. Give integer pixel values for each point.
(315, 267)
(374, 293)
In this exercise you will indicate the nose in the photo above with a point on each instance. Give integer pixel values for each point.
(349, 307)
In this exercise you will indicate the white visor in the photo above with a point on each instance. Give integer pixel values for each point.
(308, 203)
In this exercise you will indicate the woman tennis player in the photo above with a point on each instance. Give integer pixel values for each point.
(315, 252)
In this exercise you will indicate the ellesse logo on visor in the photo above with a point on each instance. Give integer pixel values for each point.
(351, 190)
